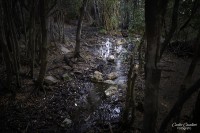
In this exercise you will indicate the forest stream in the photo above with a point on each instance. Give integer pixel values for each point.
(77, 100)
(88, 95)
(99, 66)
(104, 99)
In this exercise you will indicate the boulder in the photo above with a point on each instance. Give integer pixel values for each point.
(110, 82)
(111, 58)
(120, 41)
(111, 91)
(66, 122)
(66, 77)
(65, 50)
(97, 76)
(50, 80)
(112, 76)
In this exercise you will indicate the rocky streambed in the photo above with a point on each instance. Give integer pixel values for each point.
(87, 96)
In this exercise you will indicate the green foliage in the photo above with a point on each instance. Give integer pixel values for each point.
(137, 22)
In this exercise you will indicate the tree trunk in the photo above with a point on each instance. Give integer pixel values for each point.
(7, 56)
(152, 21)
(130, 96)
(79, 28)
(44, 50)
(32, 38)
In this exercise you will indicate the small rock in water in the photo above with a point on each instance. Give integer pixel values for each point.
(112, 76)
(50, 80)
(109, 82)
(111, 58)
(111, 91)
(66, 77)
(97, 76)
(66, 122)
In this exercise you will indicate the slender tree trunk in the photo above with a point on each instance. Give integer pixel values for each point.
(12, 38)
(79, 28)
(7, 57)
(128, 95)
(32, 38)
(44, 49)
(127, 14)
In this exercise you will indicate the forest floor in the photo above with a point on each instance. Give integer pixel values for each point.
(74, 103)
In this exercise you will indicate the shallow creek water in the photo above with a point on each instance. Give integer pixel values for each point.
(103, 109)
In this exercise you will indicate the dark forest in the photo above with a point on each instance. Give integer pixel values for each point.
(99, 66)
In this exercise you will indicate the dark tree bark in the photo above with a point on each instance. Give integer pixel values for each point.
(11, 38)
(32, 38)
(79, 28)
(127, 15)
(44, 50)
(7, 56)
(153, 23)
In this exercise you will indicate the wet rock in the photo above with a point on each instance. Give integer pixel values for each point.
(50, 80)
(65, 50)
(120, 41)
(67, 67)
(110, 82)
(97, 76)
(111, 58)
(111, 91)
(66, 122)
(112, 76)
(66, 77)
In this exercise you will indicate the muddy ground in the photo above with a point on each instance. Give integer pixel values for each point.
(77, 104)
